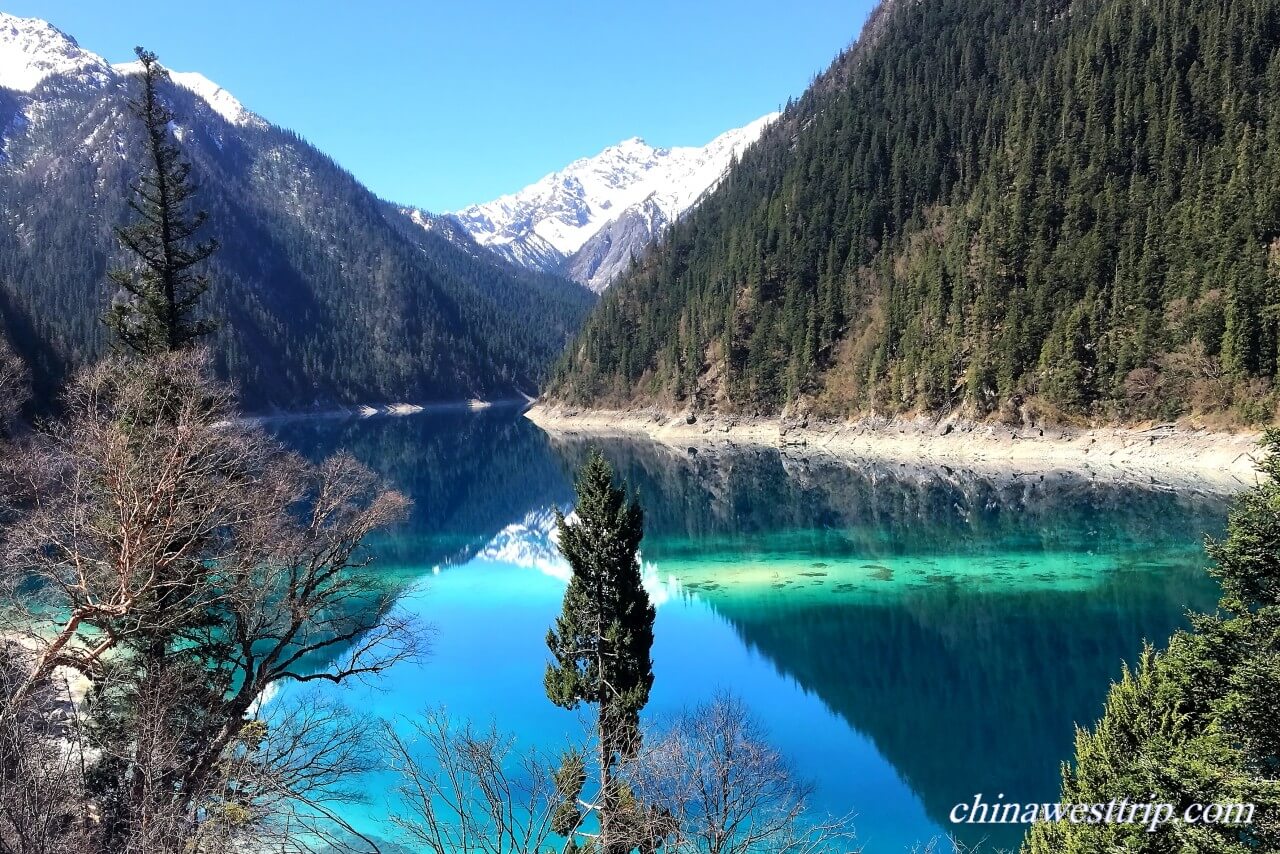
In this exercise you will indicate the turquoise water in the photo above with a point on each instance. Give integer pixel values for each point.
(909, 638)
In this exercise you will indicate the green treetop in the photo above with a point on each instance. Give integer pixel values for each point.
(1197, 723)
(602, 639)
(162, 289)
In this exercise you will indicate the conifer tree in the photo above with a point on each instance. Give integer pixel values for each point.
(602, 639)
(162, 290)
(1046, 208)
(154, 314)
(1197, 722)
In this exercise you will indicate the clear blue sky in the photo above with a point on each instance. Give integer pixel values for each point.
(441, 104)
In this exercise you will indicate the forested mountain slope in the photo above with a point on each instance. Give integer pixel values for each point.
(326, 295)
(997, 205)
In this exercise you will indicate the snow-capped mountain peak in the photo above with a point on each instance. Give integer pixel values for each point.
(219, 100)
(32, 49)
(629, 191)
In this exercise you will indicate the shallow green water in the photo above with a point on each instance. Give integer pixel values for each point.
(910, 638)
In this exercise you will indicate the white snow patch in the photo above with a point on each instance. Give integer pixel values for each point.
(32, 50)
(219, 100)
(563, 210)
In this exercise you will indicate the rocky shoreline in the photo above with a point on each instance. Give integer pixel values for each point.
(1164, 455)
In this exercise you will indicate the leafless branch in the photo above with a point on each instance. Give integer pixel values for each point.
(469, 789)
(726, 790)
(186, 564)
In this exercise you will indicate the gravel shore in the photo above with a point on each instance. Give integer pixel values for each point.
(1163, 455)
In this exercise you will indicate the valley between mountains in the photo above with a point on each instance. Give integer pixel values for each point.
(1043, 240)
(894, 471)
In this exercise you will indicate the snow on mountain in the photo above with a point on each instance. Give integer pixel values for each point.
(446, 227)
(534, 543)
(608, 206)
(299, 232)
(219, 100)
(32, 50)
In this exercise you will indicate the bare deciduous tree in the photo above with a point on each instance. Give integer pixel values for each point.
(726, 790)
(941, 845)
(185, 564)
(287, 776)
(141, 496)
(40, 763)
(468, 789)
(709, 784)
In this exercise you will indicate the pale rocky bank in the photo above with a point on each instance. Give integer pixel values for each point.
(1163, 455)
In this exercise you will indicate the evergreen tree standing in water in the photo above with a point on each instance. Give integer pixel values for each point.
(158, 314)
(602, 639)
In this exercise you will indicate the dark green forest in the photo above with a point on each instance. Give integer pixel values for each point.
(1016, 208)
(1196, 722)
(326, 295)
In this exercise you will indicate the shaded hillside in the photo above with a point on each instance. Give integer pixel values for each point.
(985, 203)
(326, 294)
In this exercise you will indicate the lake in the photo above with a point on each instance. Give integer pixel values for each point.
(909, 637)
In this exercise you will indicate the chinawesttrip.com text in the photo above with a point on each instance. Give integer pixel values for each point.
(1150, 814)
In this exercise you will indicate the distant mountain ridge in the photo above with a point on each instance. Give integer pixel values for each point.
(588, 219)
(327, 294)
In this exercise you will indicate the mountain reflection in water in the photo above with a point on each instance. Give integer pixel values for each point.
(955, 626)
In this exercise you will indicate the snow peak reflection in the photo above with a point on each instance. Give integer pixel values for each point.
(1116, 811)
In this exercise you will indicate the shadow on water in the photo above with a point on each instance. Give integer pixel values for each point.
(963, 624)
(1030, 593)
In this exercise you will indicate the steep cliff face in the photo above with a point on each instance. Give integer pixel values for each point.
(611, 250)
